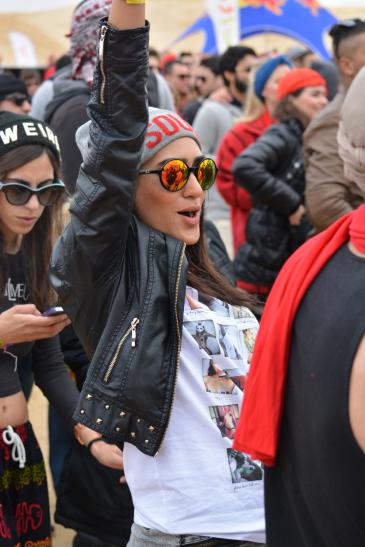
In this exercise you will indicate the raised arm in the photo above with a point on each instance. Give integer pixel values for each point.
(127, 14)
(91, 251)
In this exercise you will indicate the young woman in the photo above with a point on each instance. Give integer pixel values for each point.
(272, 171)
(132, 271)
(257, 118)
(31, 197)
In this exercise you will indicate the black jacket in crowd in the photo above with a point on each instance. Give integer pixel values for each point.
(121, 282)
(272, 170)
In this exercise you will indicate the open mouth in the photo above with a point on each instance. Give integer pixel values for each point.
(189, 214)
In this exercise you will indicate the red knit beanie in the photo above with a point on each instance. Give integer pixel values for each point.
(298, 79)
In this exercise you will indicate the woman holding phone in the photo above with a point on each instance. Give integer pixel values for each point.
(31, 197)
(133, 273)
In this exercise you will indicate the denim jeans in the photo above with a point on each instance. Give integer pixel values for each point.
(144, 537)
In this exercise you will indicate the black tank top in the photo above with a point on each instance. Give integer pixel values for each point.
(315, 495)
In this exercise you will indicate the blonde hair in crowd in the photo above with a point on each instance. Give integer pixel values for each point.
(254, 107)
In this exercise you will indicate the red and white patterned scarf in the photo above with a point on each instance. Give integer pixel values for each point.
(84, 35)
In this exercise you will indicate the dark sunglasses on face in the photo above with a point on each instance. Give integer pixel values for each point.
(174, 174)
(18, 192)
(16, 98)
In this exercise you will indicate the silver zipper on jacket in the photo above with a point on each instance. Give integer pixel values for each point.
(133, 331)
(103, 32)
(178, 339)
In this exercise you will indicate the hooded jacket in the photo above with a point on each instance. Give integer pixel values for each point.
(65, 113)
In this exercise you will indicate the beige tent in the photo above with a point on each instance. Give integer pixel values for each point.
(33, 32)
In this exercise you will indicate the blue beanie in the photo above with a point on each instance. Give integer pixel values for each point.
(265, 71)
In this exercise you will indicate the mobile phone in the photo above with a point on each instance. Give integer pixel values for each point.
(51, 312)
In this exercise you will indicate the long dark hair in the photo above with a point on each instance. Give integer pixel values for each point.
(37, 245)
(203, 276)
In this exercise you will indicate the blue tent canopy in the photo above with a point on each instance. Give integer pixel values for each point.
(303, 21)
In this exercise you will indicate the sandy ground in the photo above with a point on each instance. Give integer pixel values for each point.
(38, 408)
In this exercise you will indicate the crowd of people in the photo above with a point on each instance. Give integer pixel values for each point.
(183, 251)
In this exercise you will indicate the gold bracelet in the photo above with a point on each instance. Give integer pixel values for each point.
(135, 1)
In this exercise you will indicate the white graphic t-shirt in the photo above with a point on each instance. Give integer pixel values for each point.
(197, 484)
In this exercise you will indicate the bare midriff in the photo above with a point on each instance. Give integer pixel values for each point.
(13, 410)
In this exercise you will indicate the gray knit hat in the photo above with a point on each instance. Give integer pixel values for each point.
(164, 126)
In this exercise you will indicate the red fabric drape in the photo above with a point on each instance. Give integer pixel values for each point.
(259, 425)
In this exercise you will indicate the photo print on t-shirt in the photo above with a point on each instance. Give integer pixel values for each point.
(249, 338)
(225, 418)
(238, 377)
(242, 468)
(204, 334)
(228, 339)
(240, 312)
(219, 307)
(217, 380)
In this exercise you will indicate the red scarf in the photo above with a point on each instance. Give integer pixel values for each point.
(259, 425)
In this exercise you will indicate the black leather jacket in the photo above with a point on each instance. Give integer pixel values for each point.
(121, 282)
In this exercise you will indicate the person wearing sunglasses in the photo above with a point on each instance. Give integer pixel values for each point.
(177, 75)
(206, 80)
(329, 194)
(133, 273)
(31, 199)
(13, 95)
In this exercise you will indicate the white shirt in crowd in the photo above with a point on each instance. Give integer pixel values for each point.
(197, 484)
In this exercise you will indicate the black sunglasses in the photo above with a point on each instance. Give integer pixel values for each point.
(17, 192)
(16, 98)
(174, 174)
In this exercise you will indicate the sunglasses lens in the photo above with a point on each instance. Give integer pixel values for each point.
(16, 195)
(174, 175)
(207, 173)
(49, 196)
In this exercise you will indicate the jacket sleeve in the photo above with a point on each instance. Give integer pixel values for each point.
(327, 193)
(254, 170)
(91, 250)
(52, 377)
(228, 151)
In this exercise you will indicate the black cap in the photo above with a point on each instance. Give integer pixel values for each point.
(9, 84)
(20, 129)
